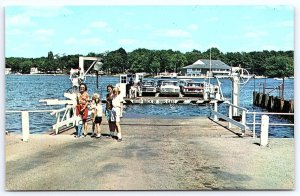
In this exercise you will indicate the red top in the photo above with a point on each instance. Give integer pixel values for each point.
(83, 98)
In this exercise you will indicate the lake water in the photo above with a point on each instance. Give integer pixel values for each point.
(23, 92)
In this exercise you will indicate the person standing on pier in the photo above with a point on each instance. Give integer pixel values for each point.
(92, 107)
(116, 112)
(82, 101)
(97, 114)
(78, 123)
(108, 109)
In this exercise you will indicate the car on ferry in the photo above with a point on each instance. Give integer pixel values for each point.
(149, 87)
(183, 82)
(169, 87)
(193, 89)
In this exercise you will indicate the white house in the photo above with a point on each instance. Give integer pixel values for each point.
(7, 71)
(202, 67)
(34, 70)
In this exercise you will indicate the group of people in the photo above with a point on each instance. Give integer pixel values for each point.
(113, 112)
(133, 89)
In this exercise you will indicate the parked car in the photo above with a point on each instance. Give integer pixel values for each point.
(149, 87)
(169, 87)
(193, 89)
(183, 82)
(158, 83)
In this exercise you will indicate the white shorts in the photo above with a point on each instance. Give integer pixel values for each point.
(115, 114)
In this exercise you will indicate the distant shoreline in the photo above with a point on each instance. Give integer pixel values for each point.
(117, 75)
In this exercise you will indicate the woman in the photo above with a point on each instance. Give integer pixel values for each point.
(116, 112)
(82, 103)
(108, 109)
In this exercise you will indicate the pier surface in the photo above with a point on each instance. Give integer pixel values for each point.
(155, 154)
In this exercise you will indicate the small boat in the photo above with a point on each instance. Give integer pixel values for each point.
(292, 77)
(278, 79)
(166, 75)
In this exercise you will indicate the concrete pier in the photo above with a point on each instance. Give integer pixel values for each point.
(155, 154)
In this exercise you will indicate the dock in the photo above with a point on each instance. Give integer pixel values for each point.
(155, 154)
(170, 100)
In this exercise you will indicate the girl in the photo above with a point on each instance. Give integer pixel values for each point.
(97, 116)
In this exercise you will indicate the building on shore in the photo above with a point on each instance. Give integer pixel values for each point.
(206, 67)
(34, 70)
(7, 71)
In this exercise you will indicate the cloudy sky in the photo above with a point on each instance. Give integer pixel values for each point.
(34, 31)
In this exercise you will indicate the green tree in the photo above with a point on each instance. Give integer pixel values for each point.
(193, 56)
(50, 56)
(154, 66)
(25, 66)
(279, 66)
(178, 61)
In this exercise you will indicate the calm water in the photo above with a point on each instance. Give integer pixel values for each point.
(23, 92)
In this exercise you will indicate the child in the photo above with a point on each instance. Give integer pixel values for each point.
(78, 123)
(97, 116)
(92, 107)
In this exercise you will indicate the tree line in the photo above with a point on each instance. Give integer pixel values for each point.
(267, 63)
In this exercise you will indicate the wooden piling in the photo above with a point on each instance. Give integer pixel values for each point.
(254, 97)
(270, 106)
(278, 104)
(274, 104)
(259, 99)
(264, 101)
(288, 107)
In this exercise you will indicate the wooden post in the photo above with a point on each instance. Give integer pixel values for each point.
(25, 126)
(270, 106)
(254, 97)
(266, 101)
(282, 91)
(97, 80)
(264, 131)
(259, 99)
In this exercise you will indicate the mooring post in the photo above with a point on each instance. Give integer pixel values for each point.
(216, 110)
(264, 131)
(25, 126)
(230, 116)
(244, 121)
(253, 128)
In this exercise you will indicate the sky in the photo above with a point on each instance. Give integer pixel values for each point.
(65, 30)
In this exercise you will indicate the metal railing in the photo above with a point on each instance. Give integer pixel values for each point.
(242, 125)
(25, 120)
(254, 123)
(64, 117)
